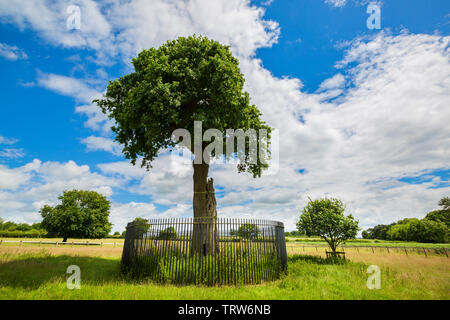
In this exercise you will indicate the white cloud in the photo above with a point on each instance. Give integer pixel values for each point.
(123, 168)
(11, 179)
(68, 86)
(24, 190)
(97, 120)
(49, 18)
(335, 82)
(11, 52)
(336, 3)
(12, 153)
(143, 24)
(169, 181)
(103, 144)
(6, 140)
(125, 28)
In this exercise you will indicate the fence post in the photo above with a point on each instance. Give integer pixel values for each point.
(1, 240)
(372, 250)
(387, 249)
(406, 251)
(425, 252)
(445, 250)
(56, 243)
(40, 243)
(20, 242)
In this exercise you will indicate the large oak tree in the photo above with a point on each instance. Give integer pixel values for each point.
(183, 81)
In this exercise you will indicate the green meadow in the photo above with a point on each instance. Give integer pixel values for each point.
(40, 273)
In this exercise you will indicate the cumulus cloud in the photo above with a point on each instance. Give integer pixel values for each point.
(125, 28)
(94, 143)
(389, 123)
(49, 18)
(37, 183)
(83, 93)
(68, 86)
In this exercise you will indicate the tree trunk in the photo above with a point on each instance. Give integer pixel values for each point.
(204, 237)
(65, 239)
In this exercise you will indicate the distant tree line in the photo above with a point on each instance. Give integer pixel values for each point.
(434, 228)
(9, 229)
(294, 233)
(80, 214)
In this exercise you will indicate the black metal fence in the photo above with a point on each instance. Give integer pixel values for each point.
(205, 250)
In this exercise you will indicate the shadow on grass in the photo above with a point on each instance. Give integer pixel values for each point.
(314, 259)
(33, 272)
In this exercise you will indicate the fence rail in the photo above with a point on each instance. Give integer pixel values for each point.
(86, 243)
(205, 250)
(405, 249)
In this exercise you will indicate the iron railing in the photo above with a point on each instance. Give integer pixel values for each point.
(205, 250)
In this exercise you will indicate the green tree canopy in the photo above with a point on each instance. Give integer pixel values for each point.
(442, 215)
(419, 230)
(366, 234)
(185, 80)
(445, 203)
(325, 218)
(378, 232)
(168, 233)
(248, 231)
(81, 214)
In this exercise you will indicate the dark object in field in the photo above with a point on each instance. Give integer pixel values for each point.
(165, 251)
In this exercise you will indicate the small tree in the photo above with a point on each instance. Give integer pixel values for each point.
(325, 218)
(247, 231)
(140, 226)
(81, 214)
(366, 234)
(168, 234)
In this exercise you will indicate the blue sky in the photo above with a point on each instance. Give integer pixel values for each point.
(361, 112)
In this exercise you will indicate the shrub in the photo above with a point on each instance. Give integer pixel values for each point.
(167, 234)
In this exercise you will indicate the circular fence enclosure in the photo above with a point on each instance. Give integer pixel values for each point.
(209, 251)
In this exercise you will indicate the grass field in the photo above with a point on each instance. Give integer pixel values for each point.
(30, 272)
